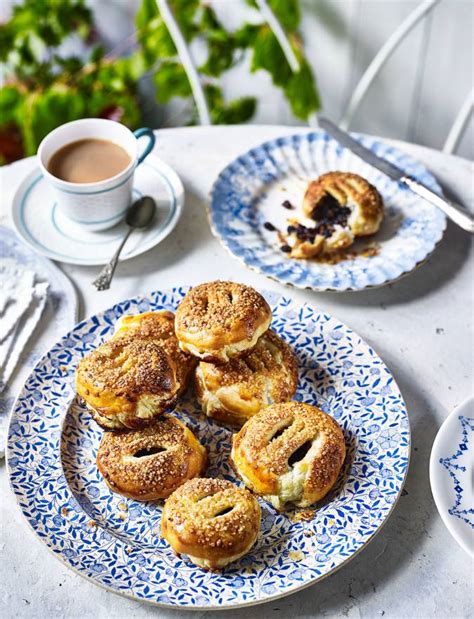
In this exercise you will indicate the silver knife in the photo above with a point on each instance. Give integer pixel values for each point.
(458, 214)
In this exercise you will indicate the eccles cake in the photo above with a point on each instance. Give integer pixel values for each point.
(289, 453)
(234, 392)
(137, 375)
(219, 321)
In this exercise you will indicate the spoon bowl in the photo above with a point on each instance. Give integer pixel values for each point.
(140, 214)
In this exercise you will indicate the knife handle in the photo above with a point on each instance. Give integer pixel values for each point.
(456, 213)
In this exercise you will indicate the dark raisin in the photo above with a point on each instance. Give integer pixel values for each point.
(286, 249)
(287, 204)
(268, 226)
(291, 229)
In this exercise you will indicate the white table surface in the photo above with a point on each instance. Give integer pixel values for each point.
(422, 328)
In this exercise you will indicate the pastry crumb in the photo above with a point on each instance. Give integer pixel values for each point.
(304, 515)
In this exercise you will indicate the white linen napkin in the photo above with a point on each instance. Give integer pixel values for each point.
(16, 293)
(12, 347)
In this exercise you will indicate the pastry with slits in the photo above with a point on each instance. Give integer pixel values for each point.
(212, 521)
(289, 453)
(151, 463)
(219, 321)
(234, 392)
(138, 374)
(339, 207)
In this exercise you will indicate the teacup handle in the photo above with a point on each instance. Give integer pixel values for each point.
(145, 131)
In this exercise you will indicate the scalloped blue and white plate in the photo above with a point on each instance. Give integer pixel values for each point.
(40, 223)
(452, 472)
(251, 190)
(115, 542)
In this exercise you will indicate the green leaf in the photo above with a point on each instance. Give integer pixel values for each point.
(237, 111)
(301, 92)
(44, 111)
(11, 99)
(147, 11)
(287, 13)
(171, 81)
(156, 42)
(136, 64)
(97, 53)
(184, 12)
(267, 54)
(220, 45)
(245, 35)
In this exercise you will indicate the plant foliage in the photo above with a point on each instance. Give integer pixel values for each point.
(46, 87)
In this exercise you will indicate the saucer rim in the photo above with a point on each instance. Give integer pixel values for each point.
(178, 196)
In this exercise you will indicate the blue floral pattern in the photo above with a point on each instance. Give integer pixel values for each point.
(116, 541)
(459, 467)
(409, 233)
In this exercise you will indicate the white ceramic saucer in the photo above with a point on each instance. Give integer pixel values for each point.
(40, 224)
(451, 474)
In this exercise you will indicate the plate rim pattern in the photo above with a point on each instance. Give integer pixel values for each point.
(13, 467)
(418, 171)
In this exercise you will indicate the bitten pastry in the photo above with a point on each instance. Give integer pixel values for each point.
(135, 376)
(212, 521)
(341, 206)
(239, 389)
(151, 463)
(289, 453)
(219, 321)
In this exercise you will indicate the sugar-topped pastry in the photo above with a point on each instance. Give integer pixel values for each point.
(289, 453)
(135, 376)
(339, 207)
(212, 521)
(159, 326)
(239, 389)
(151, 463)
(219, 321)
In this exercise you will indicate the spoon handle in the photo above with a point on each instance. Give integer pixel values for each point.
(102, 281)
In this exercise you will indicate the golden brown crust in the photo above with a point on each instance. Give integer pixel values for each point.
(159, 327)
(151, 463)
(136, 375)
(290, 452)
(211, 520)
(218, 321)
(233, 392)
(349, 190)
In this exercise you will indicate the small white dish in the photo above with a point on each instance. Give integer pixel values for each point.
(44, 228)
(451, 474)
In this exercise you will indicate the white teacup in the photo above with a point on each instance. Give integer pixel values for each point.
(101, 204)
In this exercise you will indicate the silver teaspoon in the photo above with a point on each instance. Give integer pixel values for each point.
(139, 215)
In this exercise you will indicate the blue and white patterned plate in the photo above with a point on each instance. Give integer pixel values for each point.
(251, 190)
(40, 223)
(452, 472)
(115, 542)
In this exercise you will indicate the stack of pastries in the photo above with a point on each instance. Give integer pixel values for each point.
(245, 375)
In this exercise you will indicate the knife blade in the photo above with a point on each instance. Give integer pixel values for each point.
(459, 215)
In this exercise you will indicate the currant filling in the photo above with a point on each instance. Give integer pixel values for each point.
(327, 214)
